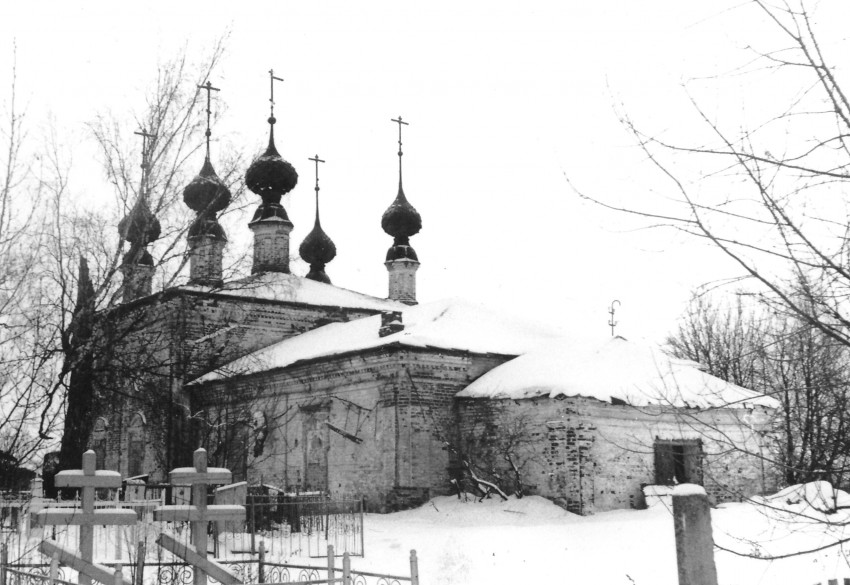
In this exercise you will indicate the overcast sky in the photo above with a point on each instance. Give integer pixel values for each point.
(506, 101)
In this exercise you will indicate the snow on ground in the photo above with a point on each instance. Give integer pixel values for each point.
(533, 541)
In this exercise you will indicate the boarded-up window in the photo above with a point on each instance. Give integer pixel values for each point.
(315, 444)
(136, 446)
(678, 461)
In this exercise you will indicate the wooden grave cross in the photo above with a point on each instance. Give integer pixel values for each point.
(199, 515)
(87, 479)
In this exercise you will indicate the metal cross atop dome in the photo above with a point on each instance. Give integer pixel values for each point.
(400, 122)
(611, 310)
(145, 167)
(317, 160)
(199, 515)
(272, 79)
(209, 88)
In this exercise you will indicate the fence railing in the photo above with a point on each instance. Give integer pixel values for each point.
(288, 525)
(259, 571)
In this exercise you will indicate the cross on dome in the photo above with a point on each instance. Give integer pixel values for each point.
(317, 249)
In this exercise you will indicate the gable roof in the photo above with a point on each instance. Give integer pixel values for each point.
(279, 286)
(450, 324)
(637, 373)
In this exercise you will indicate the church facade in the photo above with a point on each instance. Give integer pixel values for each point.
(293, 382)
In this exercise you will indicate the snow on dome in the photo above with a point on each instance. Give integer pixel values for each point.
(280, 286)
(452, 324)
(637, 373)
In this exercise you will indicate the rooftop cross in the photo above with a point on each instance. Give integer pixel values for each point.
(400, 122)
(317, 160)
(86, 517)
(199, 515)
(272, 79)
(209, 89)
(145, 166)
(611, 310)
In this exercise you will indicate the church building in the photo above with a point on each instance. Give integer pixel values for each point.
(296, 383)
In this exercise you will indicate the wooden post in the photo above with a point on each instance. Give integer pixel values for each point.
(694, 542)
(140, 563)
(54, 568)
(346, 569)
(414, 568)
(261, 570)
(362, 510)
(4, 560)
(331, 571)
(118, 535)
(253, 520)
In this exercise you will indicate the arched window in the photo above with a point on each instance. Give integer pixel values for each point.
(136, 446)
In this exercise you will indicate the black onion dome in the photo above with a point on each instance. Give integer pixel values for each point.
(401, 220)
(207, 193)
(270, 176)
(140, 226)
(317, 247)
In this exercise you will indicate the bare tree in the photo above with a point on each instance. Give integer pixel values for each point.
(769, 197)
(60, 266)
(21, 216)
(787, 358)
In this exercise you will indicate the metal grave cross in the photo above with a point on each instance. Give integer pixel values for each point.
(88, 479)
(199, 515)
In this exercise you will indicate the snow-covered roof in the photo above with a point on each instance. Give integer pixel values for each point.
(448, 324)
(635, 372)
(278, 286)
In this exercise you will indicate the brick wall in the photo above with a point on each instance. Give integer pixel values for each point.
(382, 418)
(152, 347)
(589, 455)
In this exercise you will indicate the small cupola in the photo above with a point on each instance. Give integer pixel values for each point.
(206, 195)
(139, 227)
(401, 221)
(271, 177)
(317, 249)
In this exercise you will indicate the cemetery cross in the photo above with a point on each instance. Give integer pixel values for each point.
(87, 479)
(199, 515)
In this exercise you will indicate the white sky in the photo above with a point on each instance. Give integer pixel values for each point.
(504, 99)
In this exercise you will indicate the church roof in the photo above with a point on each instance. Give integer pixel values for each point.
(280, 286)
(449, 324)
(637, 373)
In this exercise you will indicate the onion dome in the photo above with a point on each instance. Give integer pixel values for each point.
(271, 177)
(140, 227)
(317, 249)
(207, 194)
(401, 220)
